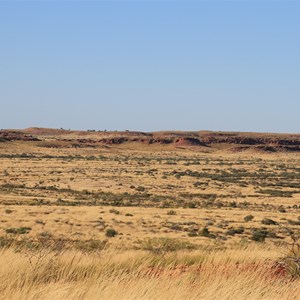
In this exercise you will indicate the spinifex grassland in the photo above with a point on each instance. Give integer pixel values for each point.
(132, 216)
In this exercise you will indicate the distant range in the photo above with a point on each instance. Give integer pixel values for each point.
(206, 141)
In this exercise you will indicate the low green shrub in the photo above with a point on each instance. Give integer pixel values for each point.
(110, 232)
(234, 231)
(267, 221)
(248, 218)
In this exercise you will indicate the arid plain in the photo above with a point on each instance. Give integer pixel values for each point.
(167, 215)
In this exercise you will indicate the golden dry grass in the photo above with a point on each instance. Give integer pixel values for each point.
(246, 273)
(159, 199)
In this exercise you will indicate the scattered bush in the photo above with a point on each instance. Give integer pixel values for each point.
(140, 189)
(110, 232)
(20, 230)
(193, 233)
(281, 209)
(259, 235)
(234, 231)
(248, 218)
(206, 233)
(267, 221)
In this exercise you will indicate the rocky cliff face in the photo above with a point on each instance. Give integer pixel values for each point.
(232, 141)
(250, 141)
(10, 135)
(261, 142)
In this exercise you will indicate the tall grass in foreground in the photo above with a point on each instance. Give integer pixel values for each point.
(238, 273)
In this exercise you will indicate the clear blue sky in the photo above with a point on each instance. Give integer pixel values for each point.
(150, 65)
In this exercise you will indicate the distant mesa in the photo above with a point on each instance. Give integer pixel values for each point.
(201, 140)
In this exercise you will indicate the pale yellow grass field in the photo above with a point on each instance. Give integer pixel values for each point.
(153, 193)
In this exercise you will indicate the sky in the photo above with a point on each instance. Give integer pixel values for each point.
(150, 65)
